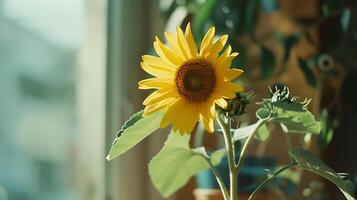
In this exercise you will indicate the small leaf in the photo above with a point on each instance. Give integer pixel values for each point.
(241, 133)
(308, 161)
(176, 163)
(289, 42)
(134, 130)
(263, 113)
(263, 133)
(307, 70)
(294, 118)
(268, 63)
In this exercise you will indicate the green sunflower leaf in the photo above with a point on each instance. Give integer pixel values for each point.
(294, 118)
(202, 18)
(132, 120)
(310, 162)
(263, 133)
(176, 163)
(308, 72)
(137, 128)
(268, 63)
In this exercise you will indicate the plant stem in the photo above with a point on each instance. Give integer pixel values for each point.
(220, 181)
(270, 177)
(246, 144)
(230, 154)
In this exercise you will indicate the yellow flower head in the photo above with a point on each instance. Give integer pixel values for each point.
(189, 82)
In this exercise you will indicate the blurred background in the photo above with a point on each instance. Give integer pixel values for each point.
(68, 80)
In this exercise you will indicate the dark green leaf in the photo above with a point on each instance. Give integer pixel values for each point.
(251, 13)
(202, 17)
(307, 70)
(289, 42)
(137, 129)
(308, 161)
(268, 63)
(263, 113)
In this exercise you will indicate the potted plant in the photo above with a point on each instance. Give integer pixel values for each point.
(198, 85)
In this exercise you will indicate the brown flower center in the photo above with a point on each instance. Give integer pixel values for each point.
(195, 80)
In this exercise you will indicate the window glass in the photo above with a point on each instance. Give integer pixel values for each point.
(39, 43)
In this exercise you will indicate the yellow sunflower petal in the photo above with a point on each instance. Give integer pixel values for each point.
(225, 63)
(187, 120)
(182, 43)
(152, 108)
(207, 123)
(222, 57)
(228, 89)
(160, 94)
(167, 53)
(207, 41)
(170, 113)
(190, 41)
(158, 62)
(232, 74)
(157, 71)
(217, 47)
(155, 83)
(172, 40)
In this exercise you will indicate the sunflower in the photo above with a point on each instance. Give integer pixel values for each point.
(189, 82)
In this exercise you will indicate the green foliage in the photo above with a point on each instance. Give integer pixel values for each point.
(263, 113)
(132, 120)
(263, 133)
(327, 129)
(293, 118)
(217, 156)
(268, 63)
(308, 161)
(250, 15)
(176, 163)
(201, 18)
(289, 42)
(134, 130)
(307, 70)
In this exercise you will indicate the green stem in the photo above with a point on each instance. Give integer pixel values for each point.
(220, 182)
(270, 177)
(230, 154)
(246, 144)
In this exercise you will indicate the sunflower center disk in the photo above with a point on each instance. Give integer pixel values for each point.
(195, 80)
